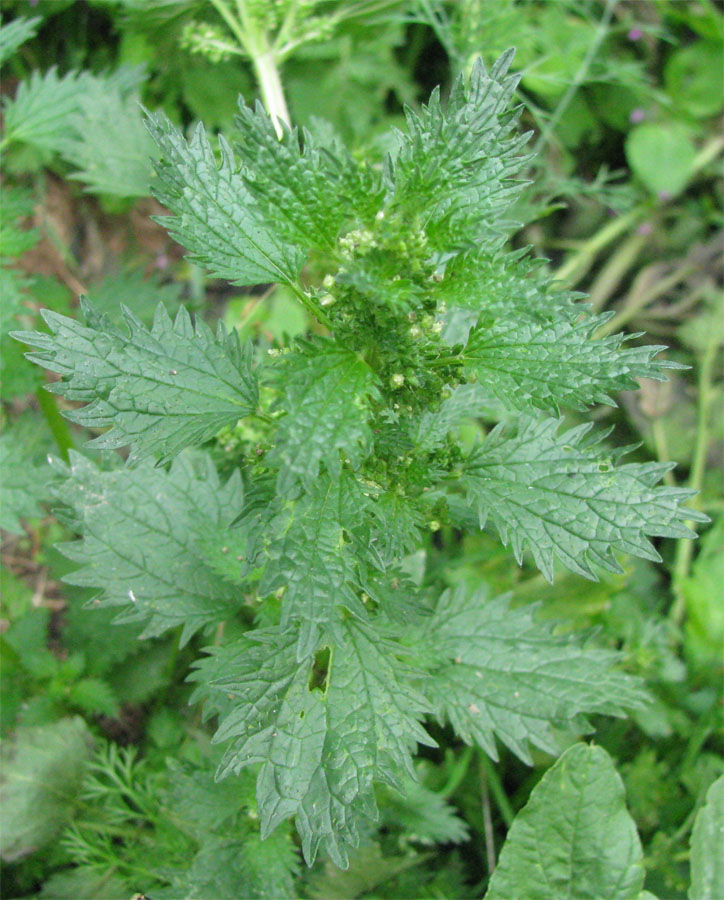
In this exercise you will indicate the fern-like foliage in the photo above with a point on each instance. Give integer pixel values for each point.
(355, 455)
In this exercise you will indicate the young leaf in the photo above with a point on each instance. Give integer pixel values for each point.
(529, 363)
(306, 554)
(326, 396)
(309, 192)
(562, 496)
(453, 170)
(214, 214)
(574, 837)
(320, 750)
(140, 535)
(160, 390)
(707, 862)
(497, 671)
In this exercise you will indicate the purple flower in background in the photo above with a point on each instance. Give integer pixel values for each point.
(644, 229)
(664, 196)
(637, 115)
(635, 34)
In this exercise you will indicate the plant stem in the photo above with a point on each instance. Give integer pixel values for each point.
(577, 265)
(57, 424)
(684, 546)
(270, 85)
(614, 270)
(496, 788)
(458, 773)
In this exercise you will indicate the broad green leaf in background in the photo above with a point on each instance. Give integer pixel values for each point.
(574, 838)
(24, 484)
(41, 774)
(159, 390)
(38, 114)
(693, 77)
(107, 142)
(707, 847)
(661, 155)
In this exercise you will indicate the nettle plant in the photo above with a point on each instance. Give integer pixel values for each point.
(349, 455)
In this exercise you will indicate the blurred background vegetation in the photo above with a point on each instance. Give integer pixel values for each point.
(108, 774)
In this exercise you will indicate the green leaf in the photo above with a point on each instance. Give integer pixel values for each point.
(574, 837)
(327, 393)
(305, 552)
(661, 155)
(39, 112)
(108, 143)
(467, 401)
(130, 288)
(527, 363)
(309, 192)
(693, 78)
(320, 750)
(94, 696)
(497, 671)
(251, 868)
(84, 883)
(41, 776)
(24, 483)
(16, 33)
(160, 390)
(452, 172)
(707, 862)
(562, 496)
(214, 214)
(141, 530)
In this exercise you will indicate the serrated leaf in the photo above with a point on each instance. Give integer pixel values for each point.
(707, 861)
(16, 33)
(561, 496)
(467, 401)
(38, 113)
(309, 191)
(326, 396)
(320, 751)
(107, 142)
(140, 535)
(41, 776)
(131, 289)
(528, 363)
(574, 837)
(306, 552)
(498, 672)
(452, 171)
(214, 214)
(24, 484)
(159, 390)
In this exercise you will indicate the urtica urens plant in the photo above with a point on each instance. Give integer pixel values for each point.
(349, 455)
